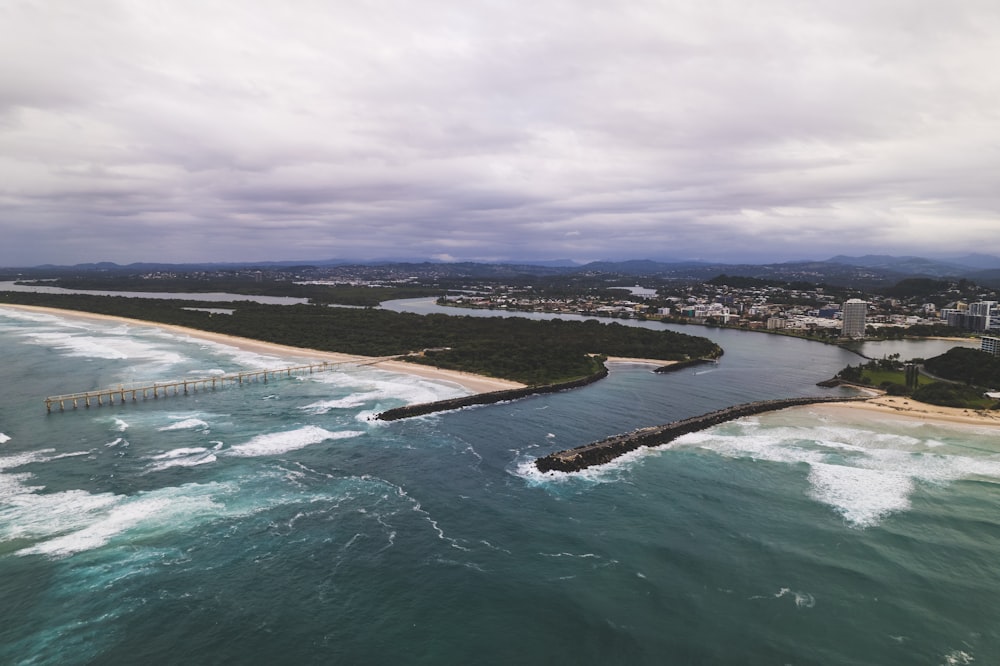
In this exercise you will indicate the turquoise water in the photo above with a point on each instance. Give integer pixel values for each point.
(278, 524)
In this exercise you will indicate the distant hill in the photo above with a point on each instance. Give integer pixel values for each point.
(983, 261)
(910, 266)
(863, 272)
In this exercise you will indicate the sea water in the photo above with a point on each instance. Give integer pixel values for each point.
(279, 523)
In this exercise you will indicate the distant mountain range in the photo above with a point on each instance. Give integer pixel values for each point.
(864, 271)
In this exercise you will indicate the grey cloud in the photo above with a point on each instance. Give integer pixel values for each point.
(496, 130)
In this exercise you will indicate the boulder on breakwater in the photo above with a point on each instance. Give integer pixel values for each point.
(490, 398)
(606, 450)
(681, 365)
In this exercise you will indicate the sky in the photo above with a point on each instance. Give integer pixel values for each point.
(497, 130)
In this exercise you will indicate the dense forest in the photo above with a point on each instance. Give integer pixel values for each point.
(529, 351)
(969, 366)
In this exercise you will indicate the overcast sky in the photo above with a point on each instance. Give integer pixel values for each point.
(231, 130)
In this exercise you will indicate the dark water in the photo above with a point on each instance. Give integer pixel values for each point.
(277, 524)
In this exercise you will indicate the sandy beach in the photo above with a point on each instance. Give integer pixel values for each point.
(469, 381)
(899, 406)
(646, 361)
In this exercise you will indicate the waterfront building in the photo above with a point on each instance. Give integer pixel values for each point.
(987, 312)
(990, 345)
(854, 318)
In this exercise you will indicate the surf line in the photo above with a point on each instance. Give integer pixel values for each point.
(606, 450)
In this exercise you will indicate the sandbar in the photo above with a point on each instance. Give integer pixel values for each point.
(645, 361)
(469, 381)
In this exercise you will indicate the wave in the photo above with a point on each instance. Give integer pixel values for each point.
(863, 474)
(282, 442)
(610, 472)
(385, 384)
(186, 424)
(4, 438)
(106, 516)
(185, 457)
(104, 346)
(351, 401)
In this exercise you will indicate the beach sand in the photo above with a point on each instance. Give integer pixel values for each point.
(469, 381)
(899, 406)
(647, 361)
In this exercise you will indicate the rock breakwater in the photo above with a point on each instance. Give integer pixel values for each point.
(606, 450)
(490, 398)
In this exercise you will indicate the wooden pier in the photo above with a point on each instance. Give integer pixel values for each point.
(157, 390)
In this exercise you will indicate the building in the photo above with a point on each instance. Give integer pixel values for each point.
(854, 314)
(972, 317)
(990, 345)
(987, 311)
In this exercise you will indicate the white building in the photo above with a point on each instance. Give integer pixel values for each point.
(855, 312)
(990, 345)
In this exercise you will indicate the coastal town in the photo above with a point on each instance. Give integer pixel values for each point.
(813, 308)
(955, 309)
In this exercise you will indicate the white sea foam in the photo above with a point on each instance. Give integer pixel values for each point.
(186, 424)
(802, 599)
(351, 401)
(864, 497)
(609, 472)
(243, 357)
(282, 442)
(120, 425)
(95, 345)
(4, 438)
(184, 457)
(958, 658)
(379, 384)
(863, 474)
(148, 512)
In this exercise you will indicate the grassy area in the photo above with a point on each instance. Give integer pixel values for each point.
(880, 377)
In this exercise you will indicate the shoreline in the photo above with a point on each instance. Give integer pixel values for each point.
(639, 361)
(472, 382)
(907, 408)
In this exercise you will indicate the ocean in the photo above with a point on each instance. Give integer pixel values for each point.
(279, 524)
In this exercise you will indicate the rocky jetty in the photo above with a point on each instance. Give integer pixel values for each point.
(484, 398)
(681, 365)
(606, 450)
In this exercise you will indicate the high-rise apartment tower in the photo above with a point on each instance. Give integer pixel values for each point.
(854, 312)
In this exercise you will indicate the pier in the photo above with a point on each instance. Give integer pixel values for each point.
(157, 390)
(606, 450)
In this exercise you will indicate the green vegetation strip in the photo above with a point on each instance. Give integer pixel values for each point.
(532, 352)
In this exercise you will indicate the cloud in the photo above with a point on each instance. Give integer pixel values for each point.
(188, 131)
